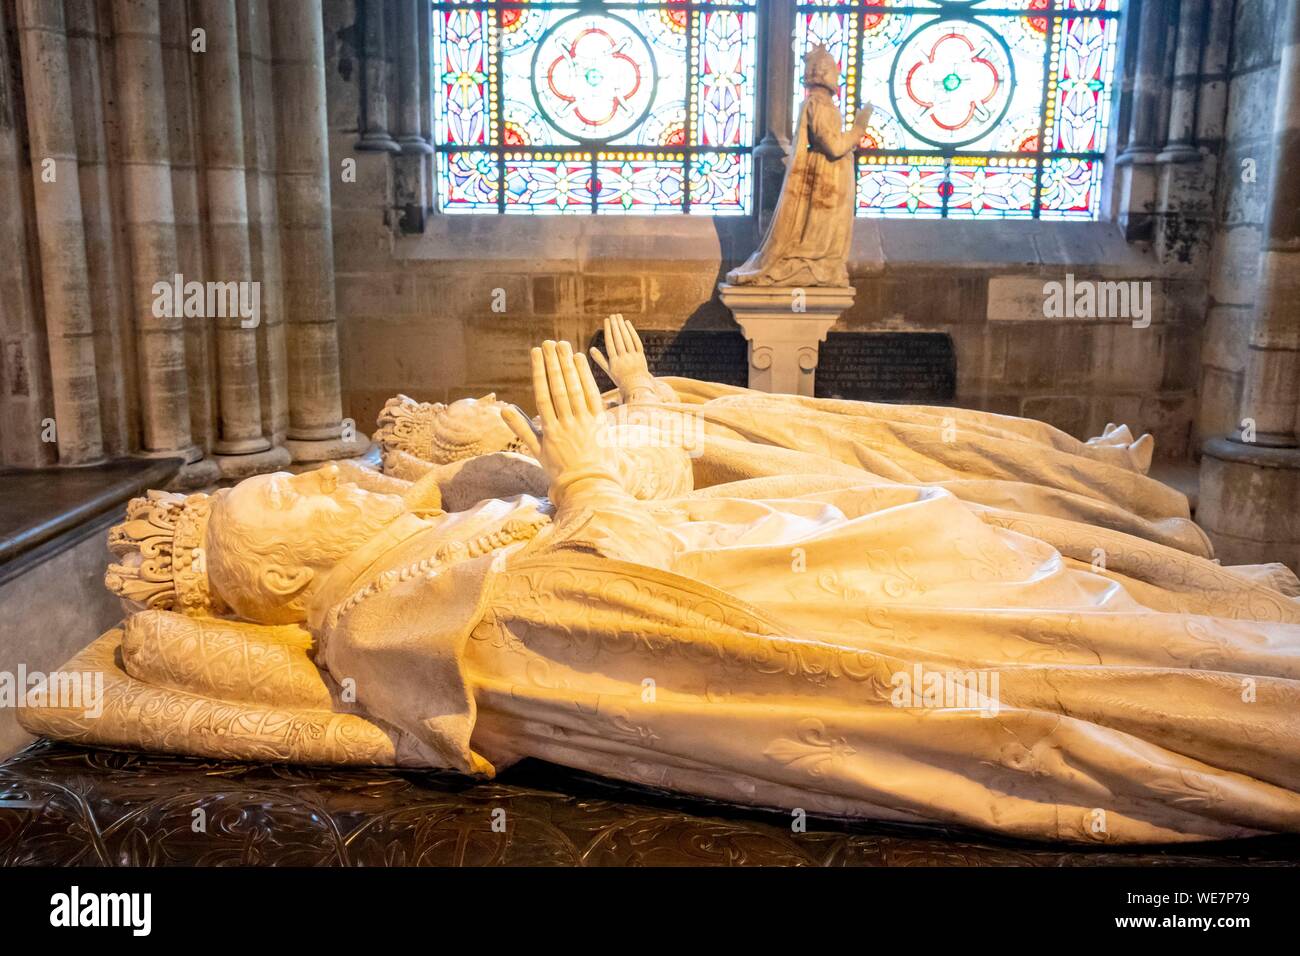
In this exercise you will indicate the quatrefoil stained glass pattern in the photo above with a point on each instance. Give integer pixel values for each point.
(589, 107)
(983, 108)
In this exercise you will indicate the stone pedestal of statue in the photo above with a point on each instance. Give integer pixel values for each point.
(785, 327)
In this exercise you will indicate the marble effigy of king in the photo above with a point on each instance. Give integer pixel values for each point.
(886, 612)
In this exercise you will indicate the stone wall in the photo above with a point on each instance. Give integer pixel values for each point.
(983, 283)
(417, 315)
(53, 610)
(417, 298)
(1240, 208)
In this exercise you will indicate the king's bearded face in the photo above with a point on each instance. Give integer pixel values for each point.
(273, 538)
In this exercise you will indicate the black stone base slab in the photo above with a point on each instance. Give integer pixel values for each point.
(64, 805)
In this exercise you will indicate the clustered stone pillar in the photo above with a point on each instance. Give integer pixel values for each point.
(1216, 54)
(240, 442)
(24, 372)
(59, 226)
(412, 169)
(172, 190)
(375, 136)
(1272, 390)
(1251, 480)
(316, 428)
(409, 135)
(150, 230)
(263, 211)
(185, 160)
(1186, 166)
(108, 298)
(1180, 142)
(1147, 118)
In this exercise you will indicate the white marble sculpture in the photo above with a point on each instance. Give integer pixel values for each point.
(807, 243)
(822, 638)
(734, 434)
(466, 449)
(794, 288)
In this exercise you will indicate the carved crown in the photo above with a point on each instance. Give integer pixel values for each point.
(431, 432)
(160, 548)
(820, 69)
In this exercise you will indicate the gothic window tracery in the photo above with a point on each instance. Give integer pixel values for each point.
(581, 107)
(983, 108)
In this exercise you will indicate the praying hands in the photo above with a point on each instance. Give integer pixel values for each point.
(572, 417)
(627, 366)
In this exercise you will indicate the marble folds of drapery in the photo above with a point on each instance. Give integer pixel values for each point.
(771, 637)
(753, 650)
(1014, 464)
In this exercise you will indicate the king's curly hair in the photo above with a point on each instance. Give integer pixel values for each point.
(239, 551)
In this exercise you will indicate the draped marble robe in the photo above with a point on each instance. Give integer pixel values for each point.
(746, 641)
(807, 243)
(772, 633)
(1014, 464)
(748, 646)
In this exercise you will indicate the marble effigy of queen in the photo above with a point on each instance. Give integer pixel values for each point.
(807, 243)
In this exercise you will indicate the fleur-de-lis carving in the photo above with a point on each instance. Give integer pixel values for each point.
(812, 749)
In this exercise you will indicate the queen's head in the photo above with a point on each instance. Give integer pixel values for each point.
(444, 433)
(821, 70)
(260, 549)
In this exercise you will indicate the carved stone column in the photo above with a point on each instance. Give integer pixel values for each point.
(1145, 119)
(1250, 482)
(109, 301)
(150, 232)
(371, 15)
(1216, 53)
(1184, 222)
(185, 159)
(306, 235)
(24, 381)
(1135, 174)
(775, 103)
(1180, 140)
(263, 211)
(239, 406)
(1272, 392)
(410, 81)
(59, 227)
(411, 168)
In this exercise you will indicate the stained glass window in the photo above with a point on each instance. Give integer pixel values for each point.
(594, 107)
(984, 109)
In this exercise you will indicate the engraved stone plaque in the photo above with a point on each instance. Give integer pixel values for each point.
(916, 367)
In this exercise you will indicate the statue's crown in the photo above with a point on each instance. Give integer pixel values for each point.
(160, 549)
(820, 68)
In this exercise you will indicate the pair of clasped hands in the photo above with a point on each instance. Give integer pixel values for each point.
(570, 410)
